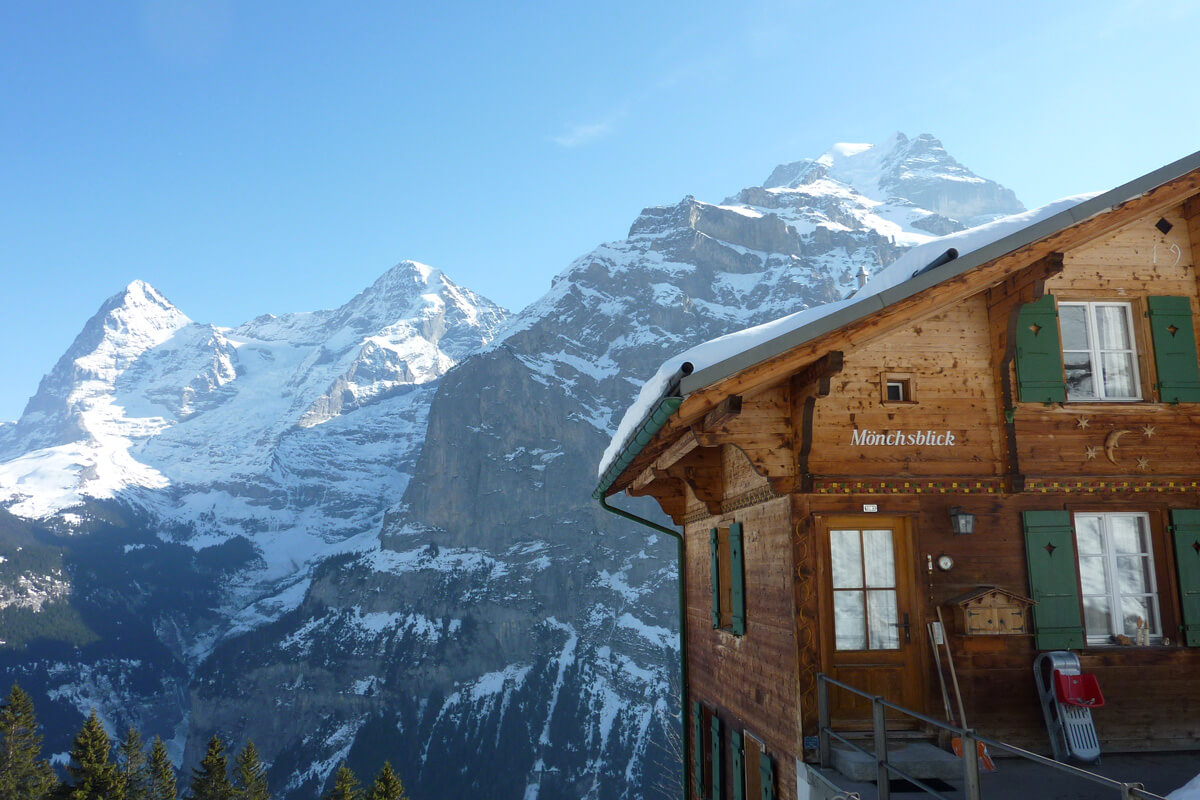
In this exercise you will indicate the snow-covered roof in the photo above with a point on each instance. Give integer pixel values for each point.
(719, 358)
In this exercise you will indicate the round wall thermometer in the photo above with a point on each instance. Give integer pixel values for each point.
(945, 563)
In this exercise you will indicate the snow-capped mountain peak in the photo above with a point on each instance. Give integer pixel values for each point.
(919, 171)
(128, 324)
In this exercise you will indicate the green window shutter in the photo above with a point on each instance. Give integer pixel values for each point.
(716, 758)
(738, 571)
(697, 749)
(1050, 554)
(739, 765)
(1174, 349)
(1185, 529)
(716, 577)
(1039, 353)
(766, 772)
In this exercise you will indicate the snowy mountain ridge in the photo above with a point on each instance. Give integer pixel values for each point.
(226, 429)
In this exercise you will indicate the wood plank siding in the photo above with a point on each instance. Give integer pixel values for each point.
(750, 680)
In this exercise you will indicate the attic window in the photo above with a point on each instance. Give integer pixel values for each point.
(897, 388)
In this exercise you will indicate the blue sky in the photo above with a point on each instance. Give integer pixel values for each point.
(266, 157)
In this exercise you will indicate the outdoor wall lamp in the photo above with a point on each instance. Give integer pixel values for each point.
(961, 522)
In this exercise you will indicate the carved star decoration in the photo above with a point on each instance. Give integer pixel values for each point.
(1092, 452)
(1081, 422)
(1148, 431)
(1143, 463)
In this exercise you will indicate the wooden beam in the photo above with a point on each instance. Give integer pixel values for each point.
(702, 471)
(644, 479)
(1191, 213)
(1191, 208)
(827, 365)
(663, 487)
(678, 449)
(833, 363)
(1027, 285)
(763, 432)
(725, 411)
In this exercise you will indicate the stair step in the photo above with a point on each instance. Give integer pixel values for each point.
(918, 759)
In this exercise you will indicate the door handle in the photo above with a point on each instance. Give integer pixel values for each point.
(907, 629)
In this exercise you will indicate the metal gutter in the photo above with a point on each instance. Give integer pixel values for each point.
(924, 279)
(683, 684)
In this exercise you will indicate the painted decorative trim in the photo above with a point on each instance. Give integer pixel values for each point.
(964, 486)
(1109, 486)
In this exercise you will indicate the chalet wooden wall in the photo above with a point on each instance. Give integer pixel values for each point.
(750, 680)
(1152, 699)
(1070, 439)
(948, 357)
(1151, 693)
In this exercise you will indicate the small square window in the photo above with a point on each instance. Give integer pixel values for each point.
(897, 387)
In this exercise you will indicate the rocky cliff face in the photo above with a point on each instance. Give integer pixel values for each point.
(455, 601)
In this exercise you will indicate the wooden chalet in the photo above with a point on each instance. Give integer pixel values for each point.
(1044, 385)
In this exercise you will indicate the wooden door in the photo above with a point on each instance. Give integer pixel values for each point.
(870, 627)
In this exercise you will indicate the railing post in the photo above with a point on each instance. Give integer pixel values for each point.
(970, 756)
(1129, 791)
(823, 721)
(879, 723)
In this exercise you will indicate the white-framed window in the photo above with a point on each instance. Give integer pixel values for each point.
(1116, 576)
(1099, 352)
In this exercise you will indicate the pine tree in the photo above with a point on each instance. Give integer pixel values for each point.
(131, 759)
(162, 772)
(23, 774)
(387, 786)
(210, 780)
(345, 786)
(91, 773)
(249, 775)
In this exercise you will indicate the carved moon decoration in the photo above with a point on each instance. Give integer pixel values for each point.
(1111, 442)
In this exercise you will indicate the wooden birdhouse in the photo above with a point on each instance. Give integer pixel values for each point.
(990, 610)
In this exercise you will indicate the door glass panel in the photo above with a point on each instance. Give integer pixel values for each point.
(849, 621)
(846, 549)
(881, 605)
(879, 559)
(864, 596)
